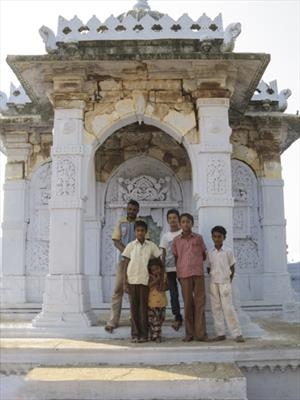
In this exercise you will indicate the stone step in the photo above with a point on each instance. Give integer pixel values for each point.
(201, 381)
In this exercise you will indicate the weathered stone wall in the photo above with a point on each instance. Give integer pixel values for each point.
(136, 140)
(257, 142)
(161, 100)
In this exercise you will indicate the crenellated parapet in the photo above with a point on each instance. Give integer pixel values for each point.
(16, 101)
(267, 97)
(141, 23)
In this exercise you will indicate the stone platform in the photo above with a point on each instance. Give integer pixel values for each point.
(102, 366)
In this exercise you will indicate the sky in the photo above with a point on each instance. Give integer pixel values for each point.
(268, 26)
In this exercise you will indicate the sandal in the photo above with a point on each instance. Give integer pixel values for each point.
(176, 325)
(109, 328)
(142, 340)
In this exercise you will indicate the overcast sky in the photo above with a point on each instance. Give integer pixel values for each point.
(268, 26)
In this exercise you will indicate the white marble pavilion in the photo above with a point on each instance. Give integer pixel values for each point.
(146, 107)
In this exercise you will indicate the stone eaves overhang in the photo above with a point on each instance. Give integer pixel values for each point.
(156, 59)
(287, 124)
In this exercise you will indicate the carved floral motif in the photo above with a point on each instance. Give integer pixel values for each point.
(37, 248)
(216, 179)
(246, 253)
(65, 178)
(245, 217)
(144, 188)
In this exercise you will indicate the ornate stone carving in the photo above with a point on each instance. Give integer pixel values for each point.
(267, 93)
(246, 253)
(144, 188)
(49, 39)
(37, 248)
(42, 191)
(65, 178)
(231, 33)
(216, 179)
(142, 23)
(245, 217)
(38, 258)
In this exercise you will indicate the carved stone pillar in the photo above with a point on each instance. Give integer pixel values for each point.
(212, 185)
(66, 300)
(14, 220)
(276, 279)
(212, 169)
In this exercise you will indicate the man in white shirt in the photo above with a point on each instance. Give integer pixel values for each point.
(169, 261)
(221, 263)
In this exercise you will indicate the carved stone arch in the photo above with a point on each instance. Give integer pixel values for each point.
(246, 229)
(95, 140)
(37, 244)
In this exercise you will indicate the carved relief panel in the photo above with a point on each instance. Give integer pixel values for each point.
(246, 230)
(37, 245)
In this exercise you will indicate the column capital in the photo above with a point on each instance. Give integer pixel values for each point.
(212, 102)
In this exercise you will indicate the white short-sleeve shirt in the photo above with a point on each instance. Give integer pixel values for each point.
(219, 262)
(166, 243)
(139, 255)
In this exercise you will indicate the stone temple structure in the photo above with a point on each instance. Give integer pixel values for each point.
(146, 107)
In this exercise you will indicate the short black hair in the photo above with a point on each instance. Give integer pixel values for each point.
(173, 211)
(188, 216)
(155, 261)
(140, 223)
(134, 203)
(219, 229)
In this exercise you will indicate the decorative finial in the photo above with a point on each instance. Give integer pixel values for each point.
(142, 5)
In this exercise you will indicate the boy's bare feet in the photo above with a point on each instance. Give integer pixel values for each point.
(240, 339)
(142, 340)
(219, 338)
(188, 339)
(176, 325)
(109, 328)
(134, 340)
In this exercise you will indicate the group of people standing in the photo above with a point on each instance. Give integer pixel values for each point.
(145, 271)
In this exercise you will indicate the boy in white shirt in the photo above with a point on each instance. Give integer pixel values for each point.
(169, 261)
(136, 256)
(221, 263)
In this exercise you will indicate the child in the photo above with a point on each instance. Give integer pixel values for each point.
(136, 257)
(190, 252)
(157, 298)
(221, 270)
(169, 261)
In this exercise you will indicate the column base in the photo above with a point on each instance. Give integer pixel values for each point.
(277, 287)
(291, 312)
(13, 290)
(66, 303)
(64, 319)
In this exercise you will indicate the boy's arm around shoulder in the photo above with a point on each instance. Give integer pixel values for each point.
(207, 263)
(204, 249)
(232, 271)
